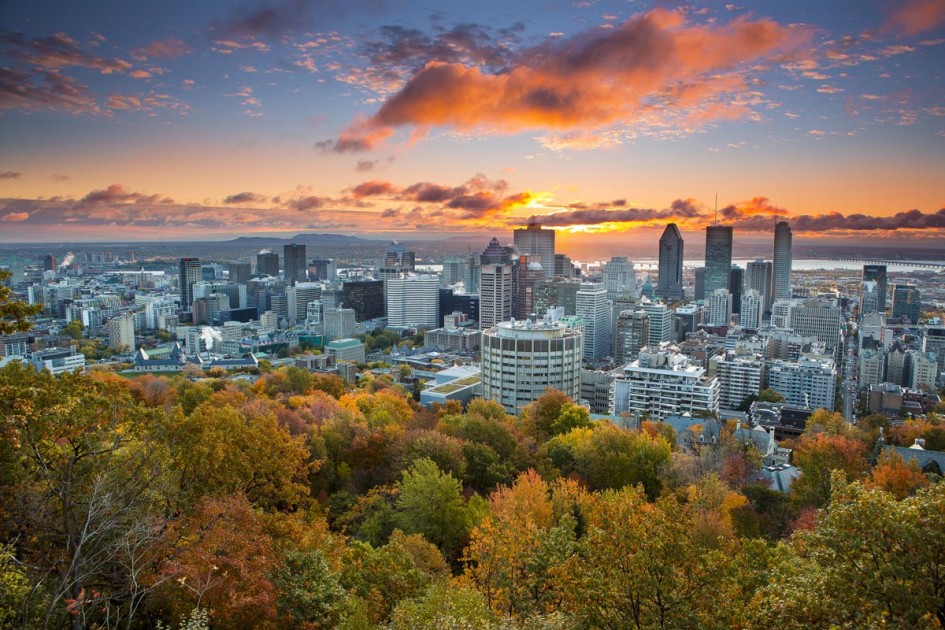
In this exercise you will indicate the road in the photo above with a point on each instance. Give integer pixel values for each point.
(849, 380)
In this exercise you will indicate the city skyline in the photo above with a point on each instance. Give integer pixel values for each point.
(384, 119)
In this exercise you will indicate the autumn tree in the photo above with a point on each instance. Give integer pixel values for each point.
(817, 456)
(14, 314)
(431, 503)
(892, 474)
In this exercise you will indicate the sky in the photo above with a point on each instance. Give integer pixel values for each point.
(210, 120)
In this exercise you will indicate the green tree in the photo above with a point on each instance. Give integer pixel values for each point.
(570, 417)
(443, 605)
(74, 329)
(431, 503)
(14, 314)
(309, 591)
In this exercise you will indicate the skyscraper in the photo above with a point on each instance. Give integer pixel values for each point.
(592, 308)
(396, 255)
(620, 277)
(783, 260)
(752, 308)
(878, 274)
(669, 283)
(495, 295)
(907, 303)
(736, 285)
(240, 273)
(296, 269)
(267, 264)
(718, 257)
(758, 277)
(413, 301)
(532, 239)
(189, 275)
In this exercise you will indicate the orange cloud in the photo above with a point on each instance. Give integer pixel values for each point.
(652, 62)
(916, 16)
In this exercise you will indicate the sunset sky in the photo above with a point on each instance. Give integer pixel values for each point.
(174, 119)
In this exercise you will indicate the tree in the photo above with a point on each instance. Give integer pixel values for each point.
(570, 417)
(443, 605)
(14, 314)
(539, 416)
(431, 503)
(73, 329)
(892, 474)
(309, 591)
(817, 457)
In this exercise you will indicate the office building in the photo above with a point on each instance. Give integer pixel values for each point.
(564, 268)
(533, 239)
(869, 297)
(267, 264)
(528, 273)
(820, 318)
(454, 271)
(631, 335)
(669, 285)
(923, 371)
(339, 323)
(872, 367)
(736, 286)
(495, 294)
(811, 382)
(190, 274)
(907, 303)
(592, 307)
(296, 267)
(620, 277)
(758, 276)
(324, 269)
(521, 359)
(877, 273)
(719, 308)
(239, 273)
(934, 341)
(346, 350)
(495, 254)
(698, 288)
(413, 302)
(661, 321)
(752, 308)
(686, 319)
(783, 260)
(662, 383)
(49, 263)
(366, 297)
(557, 292)
(58, 360)
(718, 257)
(396, 255)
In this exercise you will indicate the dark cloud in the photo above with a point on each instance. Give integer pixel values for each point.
(44, 90)
(245, 197)
(373, 188)
(118, 195)
(364, 166)
(432, 193)
(307, 203)
(56, 52)
(596, 217)
(10, 175)
(390, 213)
(273, 19)
(170, 48)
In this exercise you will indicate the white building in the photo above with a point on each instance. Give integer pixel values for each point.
(521, 359)
(413, 302)
(719, 308)
(811, 382)
(339, 323)
(661, 321)
(663, 383)
(592, 307)
(872, 367)
(753, 304)
(58, 360)
(781, 313)
(632, 334)
(121, 332)
(818, 318)
(495, 295)
(740, 376)
(346, 350)
(869, 297)
(923, 370)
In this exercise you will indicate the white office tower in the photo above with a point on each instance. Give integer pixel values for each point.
(121, 332)
(872, 367)
(758, 277)
(783, 260)
(454, 271)
(305, 294)
(521, 359)
(664, 383)
(619, 277)
(592, 307)
(869, 297)
(923, 371)
(532, 239)
(820, 318)
(719, 308)
(781, 312)
(873, 327)
(811, 382)
(661, 321)
(740, 376)
(495, 295)
(632, 334)
(934, 341)
(752, 308)
(339, 323)
(413, 302)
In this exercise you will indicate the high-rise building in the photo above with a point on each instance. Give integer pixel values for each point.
(740, 376)
(783, 260)
(324, 269)
(872, 367)
(736, 285)
(758, 276)
(49, 263)
(532, 239)
(698, 289)
(563, 266)
(528, 273)
(240, 273)
(296, 267)
(818, 318)
(661, 322)
(632, 334)
(267, 264)
(496, 254)
(396, 255)
(413, 302)
(869, 297)
(877, 273)
(190, 274)
(495, 294)
(810, 382)
(338, 323)
(907, 303)
(121, 332)
(366, 297)
(664, 383)
(669, 284)
(305, 294)
(923, 371)
(719, 308)
(934, 341)
(620, 277)
(718, 257)
(454, 271)
(593, 309)
(752, 307)
(521, 359)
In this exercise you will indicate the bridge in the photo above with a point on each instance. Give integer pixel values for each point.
(911, 263)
